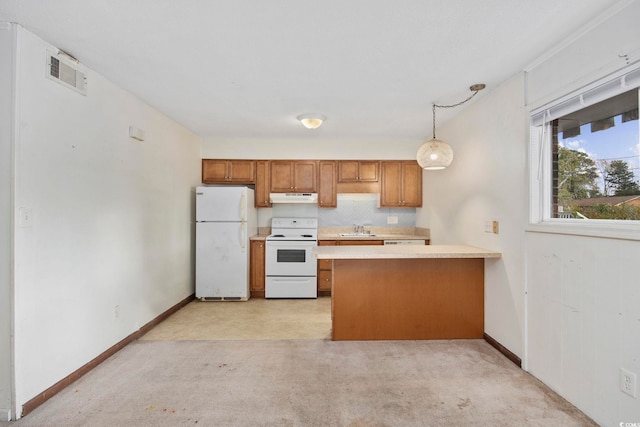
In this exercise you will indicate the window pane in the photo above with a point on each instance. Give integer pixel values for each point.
(596, 161)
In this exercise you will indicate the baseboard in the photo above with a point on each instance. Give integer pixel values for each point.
(65, 382)
(504, 350)
(5, 415)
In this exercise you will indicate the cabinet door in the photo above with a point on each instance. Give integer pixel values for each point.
(348, 171)
(305, 176)
(411, 184)
(241, 171)
(368, 171)
(281, 176)
(214, 171)
(262, 184)
(257, 268)
(401, 185)
(358, 171)
(324, 281)
(390, 188)
(327, 195)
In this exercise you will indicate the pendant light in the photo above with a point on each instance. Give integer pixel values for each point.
(435, 154)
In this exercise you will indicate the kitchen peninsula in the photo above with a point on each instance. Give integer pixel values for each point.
(406, 292)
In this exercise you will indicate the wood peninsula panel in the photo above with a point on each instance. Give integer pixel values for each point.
(407, 299)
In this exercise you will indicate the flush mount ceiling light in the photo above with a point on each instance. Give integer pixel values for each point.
(435, 154)
(311, 121)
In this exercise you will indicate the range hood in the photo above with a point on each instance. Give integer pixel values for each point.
(293, 197)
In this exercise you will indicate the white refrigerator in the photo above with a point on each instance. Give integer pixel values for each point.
(226, 218)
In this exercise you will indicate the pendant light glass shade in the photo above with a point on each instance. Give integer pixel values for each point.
(434, 155)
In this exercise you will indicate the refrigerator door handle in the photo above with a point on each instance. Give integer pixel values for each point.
(243, 237)
(243, 203)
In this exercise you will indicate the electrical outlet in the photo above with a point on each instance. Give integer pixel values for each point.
(116, 312)
(392, 220)
(494, 227)
(628, 382)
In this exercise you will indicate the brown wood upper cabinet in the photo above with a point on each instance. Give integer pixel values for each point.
(327, 189)
(299, 176)
(358, 171)
(262, 184)
(401, 184)
(215, 171)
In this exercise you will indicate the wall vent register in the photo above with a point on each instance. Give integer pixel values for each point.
(66, 73)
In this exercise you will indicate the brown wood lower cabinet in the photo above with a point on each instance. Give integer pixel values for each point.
(256, 270)
(325, 274)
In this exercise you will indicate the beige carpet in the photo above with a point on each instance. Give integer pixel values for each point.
(306, 383)
(256, 319)
(244, 364)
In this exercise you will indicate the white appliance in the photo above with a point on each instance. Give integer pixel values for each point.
(311, 198)
(225, 220)
(290, 269)
(404, 242)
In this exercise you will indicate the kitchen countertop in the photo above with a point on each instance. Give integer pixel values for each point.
(378, 233)
(377, 236)
(403, 252)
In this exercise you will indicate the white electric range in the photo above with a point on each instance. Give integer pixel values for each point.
(291, 271)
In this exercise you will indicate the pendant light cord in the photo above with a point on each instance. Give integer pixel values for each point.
(453, 105)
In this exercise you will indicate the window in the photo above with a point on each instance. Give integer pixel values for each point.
(586, 153)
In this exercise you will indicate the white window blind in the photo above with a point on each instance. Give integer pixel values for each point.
(615, 84)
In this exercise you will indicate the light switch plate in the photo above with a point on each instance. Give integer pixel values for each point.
(392, 220)
(25, 217)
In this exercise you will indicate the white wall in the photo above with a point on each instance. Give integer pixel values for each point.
(109, 245)
(486, 182)
(584, 320)
(583, 299)
(313, 147)
(7, 45)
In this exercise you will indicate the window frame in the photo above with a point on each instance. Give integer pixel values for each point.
(540, 159)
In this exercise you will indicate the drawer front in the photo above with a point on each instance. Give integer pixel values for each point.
(324, 280)
(324, 264)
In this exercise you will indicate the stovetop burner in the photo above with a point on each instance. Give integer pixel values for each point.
(294, 229)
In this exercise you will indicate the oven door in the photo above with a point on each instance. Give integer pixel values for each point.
(290, 258)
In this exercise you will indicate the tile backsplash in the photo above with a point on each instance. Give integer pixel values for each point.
(362, 209)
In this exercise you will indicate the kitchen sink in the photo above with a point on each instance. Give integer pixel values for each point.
(356, 235)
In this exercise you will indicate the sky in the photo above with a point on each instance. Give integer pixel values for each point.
(621, 142)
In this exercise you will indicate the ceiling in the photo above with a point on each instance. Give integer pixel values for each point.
(244, 69)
